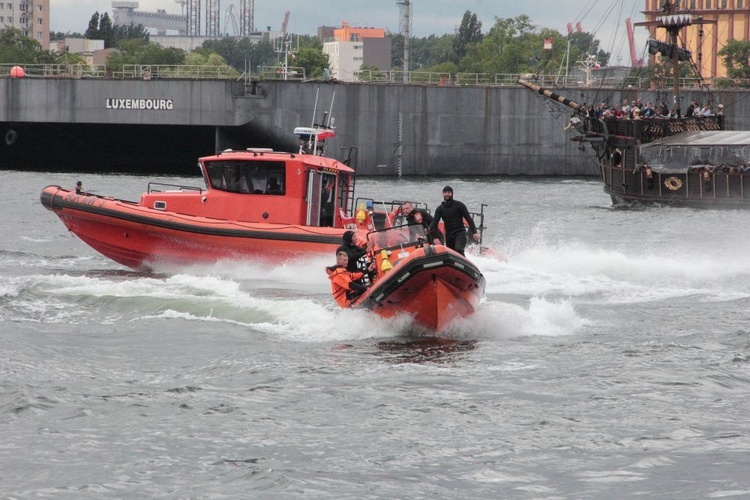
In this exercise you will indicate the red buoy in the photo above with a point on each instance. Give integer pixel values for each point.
(17, 72)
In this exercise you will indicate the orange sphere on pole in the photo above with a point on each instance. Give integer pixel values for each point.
(17, 72)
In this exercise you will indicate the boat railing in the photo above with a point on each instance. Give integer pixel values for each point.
(649, 129)
(478, 218)
(386, 208)
(160, 187)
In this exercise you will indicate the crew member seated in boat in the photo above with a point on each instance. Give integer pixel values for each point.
(454, 213)
(79, 188)
(344, 285)
(274, 187)
(355, 251)
(420, 217)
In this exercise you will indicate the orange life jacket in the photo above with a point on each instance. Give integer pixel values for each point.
(340, 280)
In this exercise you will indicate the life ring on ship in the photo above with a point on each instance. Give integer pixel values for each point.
(10, 137)
(673, 183)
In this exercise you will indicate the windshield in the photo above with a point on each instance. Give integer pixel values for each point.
(396, 237)
(681, 157)
(242, 176)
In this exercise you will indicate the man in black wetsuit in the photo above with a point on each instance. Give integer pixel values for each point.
(354, 251)
(421, 218)
(453, 213)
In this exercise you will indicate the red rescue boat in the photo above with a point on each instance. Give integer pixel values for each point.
(255, 203)
(431, 283)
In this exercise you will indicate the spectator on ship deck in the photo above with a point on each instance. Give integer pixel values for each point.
(664, 110)
(648, 111)
(625, 108)
(691, 108)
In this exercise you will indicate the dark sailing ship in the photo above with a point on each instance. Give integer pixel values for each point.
(680, 160)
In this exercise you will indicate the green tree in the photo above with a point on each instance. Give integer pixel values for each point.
(139, 51)
(585, 43)
(242, 53)
(101, 28)
(444, 67)
(506, 48)
(17, 48)
(469, 34)
(59, 35)
(203, 57)
(735, 55)
(131, 32)
(369, 73)
(313, 60)
(425, 52)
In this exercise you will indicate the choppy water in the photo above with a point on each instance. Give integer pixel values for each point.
(610, 358)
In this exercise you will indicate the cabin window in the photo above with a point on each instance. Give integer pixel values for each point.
(250, 177)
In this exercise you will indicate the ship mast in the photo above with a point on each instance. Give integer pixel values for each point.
(673, 22)
(673, 31)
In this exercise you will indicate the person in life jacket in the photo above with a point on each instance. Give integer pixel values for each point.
(344, 285)
(420, 216)
(454, 213)
(358, 261)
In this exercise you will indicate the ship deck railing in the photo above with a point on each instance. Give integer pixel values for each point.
(414, 77)
(650, 129)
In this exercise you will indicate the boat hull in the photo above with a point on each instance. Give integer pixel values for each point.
(142, 238)
(434, 285)
(691, 189)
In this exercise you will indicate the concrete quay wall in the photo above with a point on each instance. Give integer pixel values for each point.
(398, 129)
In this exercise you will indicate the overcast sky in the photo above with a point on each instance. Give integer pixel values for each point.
(604, 18)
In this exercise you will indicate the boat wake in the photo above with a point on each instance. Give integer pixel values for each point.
(599, 275)
(542, 289)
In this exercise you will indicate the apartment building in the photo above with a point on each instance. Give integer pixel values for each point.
(351, 48)
(29, 16)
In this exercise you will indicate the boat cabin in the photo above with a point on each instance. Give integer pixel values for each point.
(698, 149)
(263, 186)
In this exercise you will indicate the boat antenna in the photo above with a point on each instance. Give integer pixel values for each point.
(312, 123)
(330, 112)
